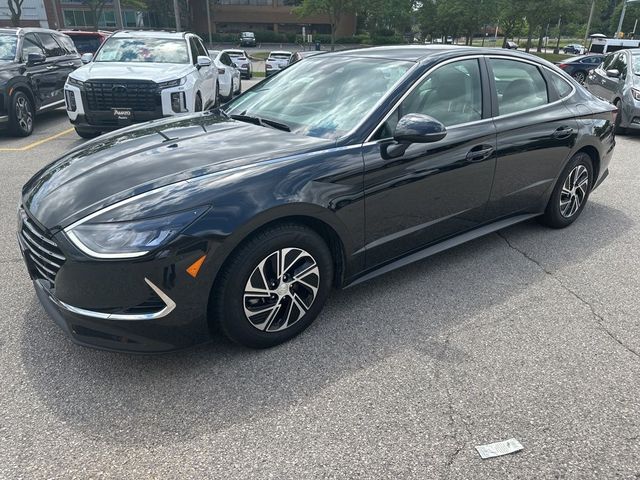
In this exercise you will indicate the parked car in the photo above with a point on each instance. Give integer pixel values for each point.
(574, 49)
(240, 220)
(297, 56)
(579, 67)
(138, 76)
(229, 80)
(511, 45)
(87, 42)
(247, 39)
(617, 80)
(34, 64)
(276, 61)
(242, 61)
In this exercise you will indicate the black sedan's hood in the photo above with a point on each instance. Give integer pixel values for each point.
(137, 159)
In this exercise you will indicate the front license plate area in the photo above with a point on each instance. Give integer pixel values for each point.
(122, 114)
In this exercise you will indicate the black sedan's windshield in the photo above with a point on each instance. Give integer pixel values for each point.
(153, 50)
(8, 47)
(323, 97)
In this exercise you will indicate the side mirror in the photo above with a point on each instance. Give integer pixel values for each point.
(418, 128)
(86, 57)
(36, 58)
(203, 61)
(613, 73)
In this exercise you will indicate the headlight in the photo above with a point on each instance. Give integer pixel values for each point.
(74, 82)
(636, 94)
(130, 239)
(172, 83)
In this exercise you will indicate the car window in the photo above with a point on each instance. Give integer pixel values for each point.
(8, 44)
(86, 43)
(563, 87)
(607, 61)
(193, 46)
(51, 47)
(636, 63)
(147, 50)
(30, 44)
(519, 86)
(619, 63)
(227, 60)
(451, 94)
(67, 43)
(202, 50)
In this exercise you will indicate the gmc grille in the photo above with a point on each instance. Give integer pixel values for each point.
(138, 95)
(43, 253)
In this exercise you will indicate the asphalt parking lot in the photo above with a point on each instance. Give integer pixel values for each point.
(530, 333)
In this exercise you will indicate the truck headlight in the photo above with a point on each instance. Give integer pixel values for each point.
(636, 94)
(172, 83)
(74, 82)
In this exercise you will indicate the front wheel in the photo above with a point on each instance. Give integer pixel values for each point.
(88, 134)
(570, 193)
(580, 77)
(273, 286)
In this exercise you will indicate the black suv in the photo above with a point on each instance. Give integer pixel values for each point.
(247, 39)
(34, 64)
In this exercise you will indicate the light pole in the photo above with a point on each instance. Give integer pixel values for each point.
(624, 9)
(176, 11)
(209, 22)
(586, 33)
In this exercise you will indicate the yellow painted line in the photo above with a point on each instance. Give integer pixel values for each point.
(35, 144)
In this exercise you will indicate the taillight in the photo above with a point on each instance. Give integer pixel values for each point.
(563, 65)
(244, 65)
(221, 71)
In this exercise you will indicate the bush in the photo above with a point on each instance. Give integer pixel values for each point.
(387, 40)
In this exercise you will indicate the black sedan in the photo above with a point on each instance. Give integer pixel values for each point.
(579, 67)
(241, 220)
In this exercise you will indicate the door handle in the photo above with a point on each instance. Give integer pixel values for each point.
(563, 132)
(50, 67)
(479, 153)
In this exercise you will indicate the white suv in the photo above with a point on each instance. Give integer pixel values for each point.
(140, 76)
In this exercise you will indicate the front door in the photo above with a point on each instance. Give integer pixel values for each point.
(432, 190)
(42, 76)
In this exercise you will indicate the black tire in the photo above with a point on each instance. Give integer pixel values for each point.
(239, 90)
(216, 97)
(618, 129)
(198, 103)
(560, 211)
(230, 302)
(580, 76)
(21, 114)
(88, 134)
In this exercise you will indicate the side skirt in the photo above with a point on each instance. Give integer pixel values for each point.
(442, 246)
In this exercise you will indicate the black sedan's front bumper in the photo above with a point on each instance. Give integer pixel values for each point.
(145, 305)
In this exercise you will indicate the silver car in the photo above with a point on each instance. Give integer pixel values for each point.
(229, 80)
(617, 80)
(276, 61)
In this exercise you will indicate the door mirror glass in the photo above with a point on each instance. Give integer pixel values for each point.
(203, 61)
(613, 73)
(419, 128)
(36, 58)
(86, 57)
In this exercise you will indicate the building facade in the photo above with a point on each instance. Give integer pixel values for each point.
(34, 14)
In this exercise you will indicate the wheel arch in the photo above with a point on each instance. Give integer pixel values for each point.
(595, 160)
(26, 89)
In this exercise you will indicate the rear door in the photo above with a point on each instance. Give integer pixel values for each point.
(536, 133)
(431, 190)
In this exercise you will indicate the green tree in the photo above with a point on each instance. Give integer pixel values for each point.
(335, 9)
(96, 7)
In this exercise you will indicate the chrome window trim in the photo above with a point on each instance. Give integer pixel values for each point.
(413, 87)
(170, 305)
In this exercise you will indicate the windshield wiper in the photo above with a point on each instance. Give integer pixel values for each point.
(263, 122)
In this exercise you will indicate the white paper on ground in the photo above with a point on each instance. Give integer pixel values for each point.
(499, 448)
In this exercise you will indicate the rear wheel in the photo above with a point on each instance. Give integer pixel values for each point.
(87, 133)
(198, 104)
(216, 97)
(570, 193)
(21, 114)
(273, 286)
(580, 77)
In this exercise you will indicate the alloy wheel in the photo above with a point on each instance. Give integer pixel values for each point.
(579, 76)
(574, 191)
(24, 116)
(281, 289)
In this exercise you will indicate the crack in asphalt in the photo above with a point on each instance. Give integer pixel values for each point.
(452, 413)
(599, 319)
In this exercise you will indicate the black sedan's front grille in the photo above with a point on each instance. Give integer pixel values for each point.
(138, 95)
(44, 256)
